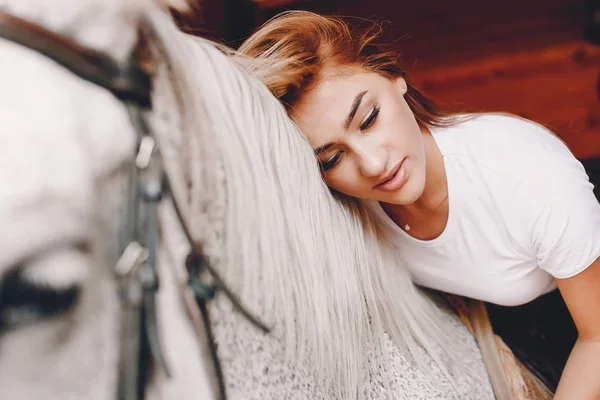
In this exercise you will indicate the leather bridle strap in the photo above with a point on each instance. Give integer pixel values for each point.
(128, 83)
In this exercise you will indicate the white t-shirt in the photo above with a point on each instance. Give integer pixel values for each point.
(522, 211)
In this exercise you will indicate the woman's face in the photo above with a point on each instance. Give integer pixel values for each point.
(365, 137)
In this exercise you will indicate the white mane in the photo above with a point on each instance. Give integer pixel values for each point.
(315, 269)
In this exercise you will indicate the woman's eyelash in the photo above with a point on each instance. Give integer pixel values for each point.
(327, 165)
(371, 118)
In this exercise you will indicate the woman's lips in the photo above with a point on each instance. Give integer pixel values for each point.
(397, 180)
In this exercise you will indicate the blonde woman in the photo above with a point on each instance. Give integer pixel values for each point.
(488, 206)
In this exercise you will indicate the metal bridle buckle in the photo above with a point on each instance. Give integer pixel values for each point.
(127, 270)
(195, 263)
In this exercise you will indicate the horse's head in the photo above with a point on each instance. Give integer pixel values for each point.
(68, 148)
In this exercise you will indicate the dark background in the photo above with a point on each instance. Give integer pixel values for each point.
(536, 58)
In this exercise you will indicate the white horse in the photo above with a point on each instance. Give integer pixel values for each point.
(344, 319)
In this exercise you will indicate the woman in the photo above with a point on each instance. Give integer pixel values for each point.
(491, 207)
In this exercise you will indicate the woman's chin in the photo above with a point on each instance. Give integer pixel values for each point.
(407, 194)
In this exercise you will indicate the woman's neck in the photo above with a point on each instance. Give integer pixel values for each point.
(433, 201)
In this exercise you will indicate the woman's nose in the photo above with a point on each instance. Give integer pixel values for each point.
(371, 160)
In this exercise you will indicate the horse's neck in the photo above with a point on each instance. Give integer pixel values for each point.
(109, 26)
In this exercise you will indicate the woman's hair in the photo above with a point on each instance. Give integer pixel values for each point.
(294, 49)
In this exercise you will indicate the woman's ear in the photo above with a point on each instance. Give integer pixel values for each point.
(401, 85)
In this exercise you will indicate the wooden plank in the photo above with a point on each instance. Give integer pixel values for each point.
(556, 86)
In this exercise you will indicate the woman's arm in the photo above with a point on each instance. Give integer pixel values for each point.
(581, 377)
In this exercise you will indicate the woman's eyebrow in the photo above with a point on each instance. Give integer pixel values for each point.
(354, 108)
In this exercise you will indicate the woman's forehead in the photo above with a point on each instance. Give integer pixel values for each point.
(339, 90)
(335, 94)
(322, 112)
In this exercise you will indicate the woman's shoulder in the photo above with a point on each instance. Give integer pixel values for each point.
(499, 130)
(503, 142)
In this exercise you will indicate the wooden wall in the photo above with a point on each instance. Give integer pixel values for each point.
(527, 57)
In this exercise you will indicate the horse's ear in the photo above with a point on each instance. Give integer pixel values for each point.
(179, 5)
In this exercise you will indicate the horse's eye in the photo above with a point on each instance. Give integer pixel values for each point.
(29, 295)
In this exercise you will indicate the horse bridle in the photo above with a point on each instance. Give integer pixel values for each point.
(136, 268)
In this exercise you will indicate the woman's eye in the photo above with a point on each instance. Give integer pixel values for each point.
(371, 118)
(330, 163)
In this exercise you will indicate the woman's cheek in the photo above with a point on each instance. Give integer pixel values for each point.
(340, 180)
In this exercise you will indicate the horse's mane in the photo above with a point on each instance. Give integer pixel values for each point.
(313, 266)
